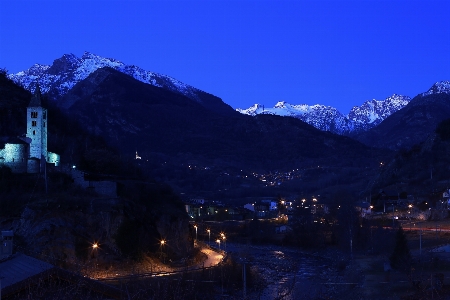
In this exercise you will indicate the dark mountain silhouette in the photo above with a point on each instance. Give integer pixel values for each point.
(13, 103)
(422, 170)
(135, 116)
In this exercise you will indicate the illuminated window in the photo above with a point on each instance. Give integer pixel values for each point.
(33, 123)
(34, 114)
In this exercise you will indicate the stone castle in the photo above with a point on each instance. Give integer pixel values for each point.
(28, 154)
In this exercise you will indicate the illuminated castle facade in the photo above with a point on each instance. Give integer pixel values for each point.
(29, 154)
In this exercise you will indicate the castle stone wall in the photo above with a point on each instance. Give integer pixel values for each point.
(33, 165)
(15, 157)
(53, 158)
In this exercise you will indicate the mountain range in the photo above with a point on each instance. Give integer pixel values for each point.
(58, 79)
(197, 148)
(366, 122)
(173, 125)
(360, 118)
(65, 72)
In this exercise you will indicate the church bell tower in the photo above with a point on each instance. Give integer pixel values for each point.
(37, 126)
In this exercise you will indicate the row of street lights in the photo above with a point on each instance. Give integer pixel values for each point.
(221, 238)
(218, 241)
(222, 235)
(95, 245)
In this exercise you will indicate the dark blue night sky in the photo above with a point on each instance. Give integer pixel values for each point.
(337, 53)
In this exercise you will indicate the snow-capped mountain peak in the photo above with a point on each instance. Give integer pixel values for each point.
(438, 88)
(69, 69)
(375, 111)
(280, 104)
(320, 116)
(328, 118)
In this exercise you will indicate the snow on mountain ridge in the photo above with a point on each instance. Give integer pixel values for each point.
(320, 116)
(68, 70)
(438, 88)
(328, 118)
(375, 111)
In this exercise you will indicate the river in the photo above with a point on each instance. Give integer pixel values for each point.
(290, 273)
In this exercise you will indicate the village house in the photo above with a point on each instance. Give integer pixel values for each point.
(363, 208)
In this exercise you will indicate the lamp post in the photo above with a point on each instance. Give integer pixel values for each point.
(95, 253)
(209, 236)
(163, 242)
(409, 213)
(195, 226)
(222, 235)
(218, 242)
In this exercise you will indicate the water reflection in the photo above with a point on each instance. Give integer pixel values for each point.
(289, 273)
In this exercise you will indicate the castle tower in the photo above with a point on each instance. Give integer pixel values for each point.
(37, 126)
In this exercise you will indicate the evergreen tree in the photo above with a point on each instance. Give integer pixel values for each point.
(401, 257)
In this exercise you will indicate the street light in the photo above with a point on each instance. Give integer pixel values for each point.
(195, 226)
(209, 235)
(163, 242)
(218, 242)
(95, 253)
(95, 247)
(409, 213)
